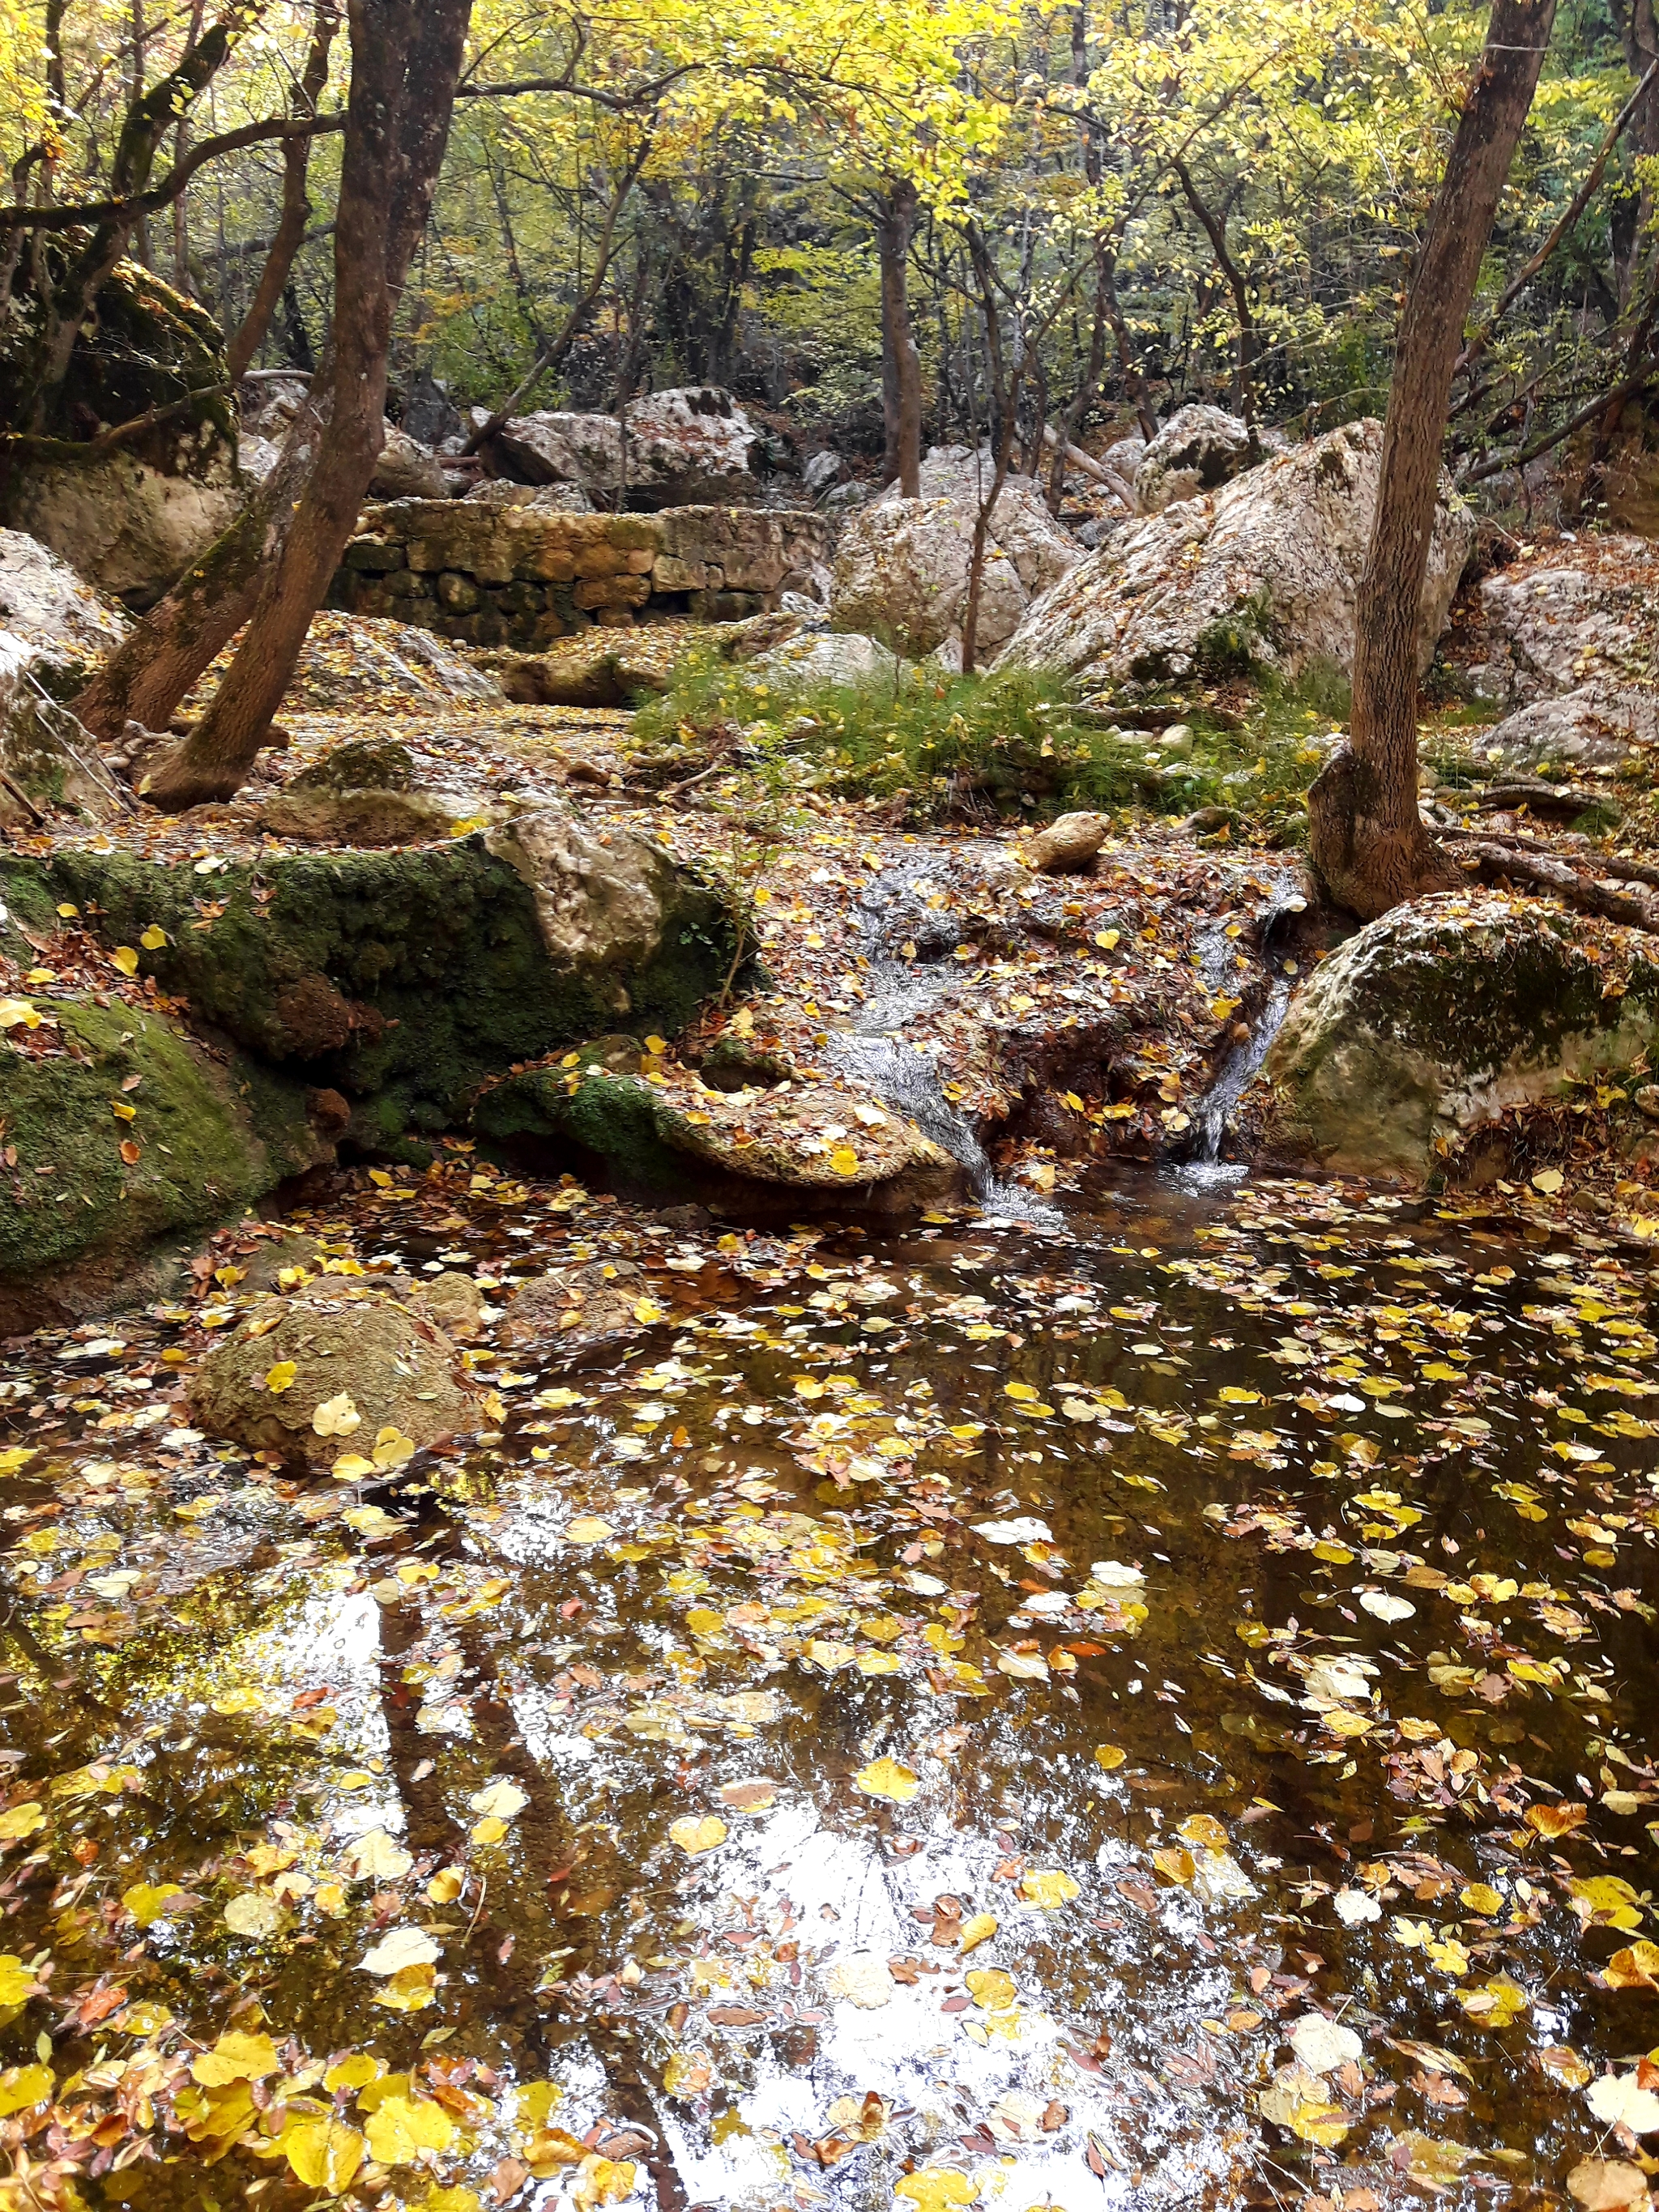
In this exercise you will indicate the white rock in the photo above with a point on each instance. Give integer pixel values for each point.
(1263, 573)
(829, 658)
(1197, 450)
(407, 470)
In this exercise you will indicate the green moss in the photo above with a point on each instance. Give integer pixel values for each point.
(615, 1122)
(210, 1139)
(408, 975)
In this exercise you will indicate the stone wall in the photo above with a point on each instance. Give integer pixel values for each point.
(522, 576)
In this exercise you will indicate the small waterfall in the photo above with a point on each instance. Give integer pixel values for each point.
(1200, 1160)
(875, 1054)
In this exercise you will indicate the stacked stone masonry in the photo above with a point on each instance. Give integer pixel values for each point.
(522, 576)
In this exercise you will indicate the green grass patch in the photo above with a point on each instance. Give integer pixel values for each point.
(1015, 744)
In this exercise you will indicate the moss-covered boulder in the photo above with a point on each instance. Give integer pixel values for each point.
(120, 1138)
(1445, 1015)
(401, 979)
(131, 518)
(802, 1142)
(368, 1374)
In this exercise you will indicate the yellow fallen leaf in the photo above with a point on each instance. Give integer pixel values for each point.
(154, 937)
(992, 1989)
(588, 1528)
(937, 2188)
(1108, 1756)
(885, 1778)
(844, 1160)
(22, 1821)
(322, 2153)
(147, 1902)
(281, 1377)
(648, 1311)
(1049, 1891)
(126, 957)
(236, 2057)
(696, 1835)
(16, 1980)
(1549, 1180)
(23, 2086)
(400, 2127)
(977, 1930)
(337, 1417)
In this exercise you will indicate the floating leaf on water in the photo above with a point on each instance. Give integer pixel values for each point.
(1353, 1907)
(20, 1821)
(978, 1929)
(936, 2188)
(322, 2153)
(399, 1948)
(1618, 2100)
(1025, 1530)
(1049, 1892)
(1203, 1831)
(1300, 2101)
(24, 2085)
(1635, 1968)
(1553, 1820)
(236, 2057)
(253, 1914)
(992, 1989)
(1175, 1864)
(1386, 1607)
(400, 2127)
(697, 1833)
(1323, 2044)
(885, 1778)
(587, 1528)
(1494, 2003)
(377, 1857)
(146, 1902)
(1607, 2184)
(501, 1800)
(1108, 1756)
(862, 1979)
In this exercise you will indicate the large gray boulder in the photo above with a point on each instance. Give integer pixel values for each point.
(407, 470)
(559, 447)
(690, 446)
(1261, 576)
(1572, 641)
(901, 571)
(1197, 450)
(1445, 1014)
(829, 658)
(53, 630)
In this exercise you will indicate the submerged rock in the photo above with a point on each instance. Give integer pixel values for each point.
(807, 1139)
(1261, 576)
(1442, 1015)
(575, 1310)
(93, 1196)
(362, 1363)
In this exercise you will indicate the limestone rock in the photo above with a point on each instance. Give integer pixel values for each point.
(1121, 462)
(407, 470)
(805, 1139)
(269, 400)
(45, 602)
(256, 457)
(1573, 635)
(1436, 1018)
(429, 414)
(690, 446)
(829, 658)
(365, 791)
(210, 1139)
(402, 979)
(901, 571)
(822, 472)
(1197, 450)
(554, 447)
(1068, 845)
(374, 1363)
(1261, 576)
(131, 519)
(454, 1302)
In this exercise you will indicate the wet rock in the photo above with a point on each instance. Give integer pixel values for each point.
(365, 793)
(575, 1310)
(1569, 640)
(129, 519)
(363, 1362)
(82, 1223)
(1442, 1015)
(1068, 845)
(804, 1138)
(402, 979)
(901, 571)
(1260, 576)
(407, 470)
(1197, 450)
(454, 1302)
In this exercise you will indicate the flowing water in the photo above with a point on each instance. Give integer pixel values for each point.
(1149, 1712)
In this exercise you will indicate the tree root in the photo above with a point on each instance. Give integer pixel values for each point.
(1492, 859)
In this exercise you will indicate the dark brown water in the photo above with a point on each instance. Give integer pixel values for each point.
(1227, 1616)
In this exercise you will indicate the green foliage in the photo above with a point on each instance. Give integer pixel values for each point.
(1015, 744)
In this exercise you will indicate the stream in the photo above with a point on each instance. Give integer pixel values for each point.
(1137, 1705)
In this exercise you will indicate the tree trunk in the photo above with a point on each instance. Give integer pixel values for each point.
(1638, 32)
(297, 207)
(406, 61)
(901, 362)
(1366, 840)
